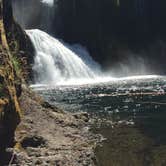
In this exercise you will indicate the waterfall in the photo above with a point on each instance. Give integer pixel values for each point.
(57, 62)
(49, 2)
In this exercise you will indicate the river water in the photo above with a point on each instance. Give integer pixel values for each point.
(130, 113)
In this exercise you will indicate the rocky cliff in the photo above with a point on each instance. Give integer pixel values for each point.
(15, 59)
(10, 82)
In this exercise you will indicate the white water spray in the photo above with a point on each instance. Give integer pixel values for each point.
(48, 2)
(58, 63)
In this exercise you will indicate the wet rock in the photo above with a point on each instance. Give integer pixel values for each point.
(82, 116)
(55, 137)
(33, 141)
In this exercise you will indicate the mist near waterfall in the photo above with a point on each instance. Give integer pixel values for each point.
(57, 63)
(131, 64)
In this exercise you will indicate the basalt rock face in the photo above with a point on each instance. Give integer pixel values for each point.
(117, 31)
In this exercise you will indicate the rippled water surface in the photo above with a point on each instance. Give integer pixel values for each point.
(130, 113)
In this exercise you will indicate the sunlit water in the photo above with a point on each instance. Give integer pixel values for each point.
(116, 96)
(129, 112)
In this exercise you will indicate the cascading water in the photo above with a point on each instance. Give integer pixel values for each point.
(58, 63)
(49, 2)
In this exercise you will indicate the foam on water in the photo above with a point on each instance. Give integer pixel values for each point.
(100, 80)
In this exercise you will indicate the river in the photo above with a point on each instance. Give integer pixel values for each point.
(130, 114)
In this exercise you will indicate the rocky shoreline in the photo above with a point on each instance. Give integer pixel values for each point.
(49, 136)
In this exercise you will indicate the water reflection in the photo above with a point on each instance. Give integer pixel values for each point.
(130, 114)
